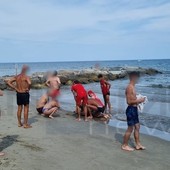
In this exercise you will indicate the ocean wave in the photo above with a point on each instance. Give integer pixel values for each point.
(159, 86)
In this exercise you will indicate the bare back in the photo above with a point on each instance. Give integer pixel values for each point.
(131, 95)
(22, 83)
(43, 101)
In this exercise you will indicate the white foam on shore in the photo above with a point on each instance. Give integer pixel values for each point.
(144, 130)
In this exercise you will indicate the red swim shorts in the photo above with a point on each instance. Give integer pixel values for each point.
(81, 100)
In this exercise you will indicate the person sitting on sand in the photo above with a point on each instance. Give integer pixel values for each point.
(42, 102)
(50, 109)
(22, 87)
(54, 84)
(80, 96)
(1, 153)
(95, 106)
(105, 87)
(132, 114)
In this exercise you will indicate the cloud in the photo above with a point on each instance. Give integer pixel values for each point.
(80, 21)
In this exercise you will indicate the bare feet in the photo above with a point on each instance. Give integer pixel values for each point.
(78, 119)
(140, 147)
(90, 117)
(20, 124)
(51, 117)
(2, 154)
(127, 148)
(27, 126)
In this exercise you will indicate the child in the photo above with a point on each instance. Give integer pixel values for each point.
(81, 99)
(105, 87)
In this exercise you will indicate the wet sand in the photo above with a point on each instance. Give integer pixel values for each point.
(65, 144)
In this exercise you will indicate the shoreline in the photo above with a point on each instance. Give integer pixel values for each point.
(71, 145)
(118, 113)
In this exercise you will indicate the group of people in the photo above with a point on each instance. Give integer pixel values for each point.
(87, 102)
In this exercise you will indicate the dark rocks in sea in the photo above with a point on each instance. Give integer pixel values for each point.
(85, 76)
(3, 85)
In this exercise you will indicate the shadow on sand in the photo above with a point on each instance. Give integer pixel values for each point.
(8, 141)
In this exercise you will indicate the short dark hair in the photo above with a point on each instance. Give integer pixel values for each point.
(100, 76)
(55, 73)
(134, 74)
(76, 82)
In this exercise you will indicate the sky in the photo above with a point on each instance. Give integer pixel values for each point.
(82, 30)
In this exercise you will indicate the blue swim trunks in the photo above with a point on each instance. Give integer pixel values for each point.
(132, 115)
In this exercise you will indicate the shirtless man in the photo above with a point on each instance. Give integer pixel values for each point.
(42, 102)
(50, 108)
(54, 84)
(1, 153)
(132, 114)
(21, 84)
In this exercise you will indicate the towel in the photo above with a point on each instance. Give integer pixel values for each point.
(142, 105)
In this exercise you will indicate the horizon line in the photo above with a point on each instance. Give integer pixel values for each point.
(22, 62)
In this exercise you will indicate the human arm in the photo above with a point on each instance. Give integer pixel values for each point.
(48, 83)
(107, 84)
(1, 93)
(29, 83)
(59, 82)
(10, 83)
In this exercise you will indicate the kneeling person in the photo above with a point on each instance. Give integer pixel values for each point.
(50, 109)
(41, 103)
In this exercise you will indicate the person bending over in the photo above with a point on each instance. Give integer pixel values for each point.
(22, 87)
(95, 106)
(80, 96)
(132, 114)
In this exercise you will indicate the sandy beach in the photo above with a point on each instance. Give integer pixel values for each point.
(65, 144)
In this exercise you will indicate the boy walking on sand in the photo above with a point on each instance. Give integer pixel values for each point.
(1, 153)
(22, 87)
(132, 114)
(105, 87)
(81, 99)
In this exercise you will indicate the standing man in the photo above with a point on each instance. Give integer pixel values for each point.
(1, 153)
(132, 114)
(54, 84)
(105, 86)
(21, 84)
